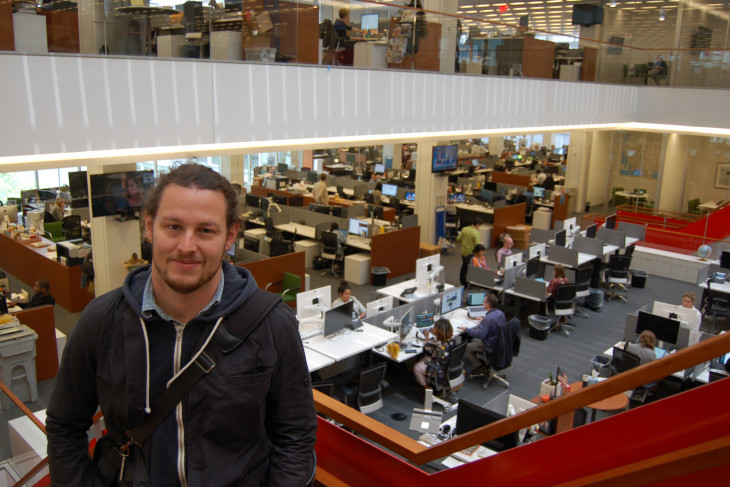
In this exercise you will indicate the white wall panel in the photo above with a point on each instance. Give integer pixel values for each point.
(684, 106)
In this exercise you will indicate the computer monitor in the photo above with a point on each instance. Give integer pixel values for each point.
(253, 201)
(725, 259)
(486, 195)
(537, 250)
(451, 300)
(611, 222)
(358, 227)
(282, 167)
(378, 306)
(490, 185)
(312, 303)
(510, 261)
(458, 198)
(591, 231)
(569, 225)
(264, 204)
(411, 196)
(533, 268)
(11, 211)
(560, 238)
(369, 22)
(469, 417)
(390, 190)
(375, 212)
(475, 298)
(379, 168)
(538, 192)
(336, 319)
(427, 268)
(424, 320)
(674, 311)
(665, 329)
(279, 199)
(324, 209)
(312, 177)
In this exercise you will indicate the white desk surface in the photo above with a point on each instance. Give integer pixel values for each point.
(723, 288)
(350, 342)
(704, 377)
(316, 360)
(673, 255)
(359, 243)
(638, 196)
(480, 208)
(298, 228)
(709, 205)
(583, 258)
(396, 289)
(30, 433)
(512, 292)
(347, 191)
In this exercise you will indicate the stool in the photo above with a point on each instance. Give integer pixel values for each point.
(357, 268)
(17, 366)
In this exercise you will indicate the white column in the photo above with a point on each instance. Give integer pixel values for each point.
(599, 168)
(447, 46)
(672, 174)
(579, 154)
(496, 144)
(91, 26)
(430, 192)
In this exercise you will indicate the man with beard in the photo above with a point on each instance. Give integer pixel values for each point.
(250, 418)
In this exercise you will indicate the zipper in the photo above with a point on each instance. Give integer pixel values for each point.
(177, 358)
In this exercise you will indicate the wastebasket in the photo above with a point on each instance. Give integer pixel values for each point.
(588, 206)
(594, 300)
(379, 275)
(602, 365)
(638, 279)
(539, 326)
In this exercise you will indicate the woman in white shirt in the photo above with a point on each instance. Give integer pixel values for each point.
(345, 292)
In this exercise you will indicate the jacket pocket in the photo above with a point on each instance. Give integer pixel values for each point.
(253, 377)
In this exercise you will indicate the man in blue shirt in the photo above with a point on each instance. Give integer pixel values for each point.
(487, 331)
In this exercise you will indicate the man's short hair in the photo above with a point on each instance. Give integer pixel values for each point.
(44, 284)
(343, 12)
(192, 175)
(323, 176)
(492, 300)
(477, 222)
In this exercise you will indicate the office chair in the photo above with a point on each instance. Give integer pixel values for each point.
(629, 251)
(693, 207)
(624, 360)
(369, 396)
(296, 201)
(319, 228)
(279, 246)
(48, 217)
(54, 230)
(564, 307)
(445, 382)
(580, 416)
(715, 306)
(341, 192)
(72, 226)
(271, 232)
(330, 251)
(617, 276)
(583, 279)
(618, 199)
(499, 358)
(291, 285)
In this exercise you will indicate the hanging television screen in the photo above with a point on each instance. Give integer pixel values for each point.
(119, 193)
(445, 158)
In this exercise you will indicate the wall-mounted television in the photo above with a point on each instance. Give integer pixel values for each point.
(79, 189)
(587, 14)
(120, 193)
(445, 158)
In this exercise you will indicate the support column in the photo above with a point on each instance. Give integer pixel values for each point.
(672, 174)
(447, 51)
(430, 192)
(495, 146)
(579, 155)
(599, 168)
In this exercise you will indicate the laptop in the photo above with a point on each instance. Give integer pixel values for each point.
(475, 304)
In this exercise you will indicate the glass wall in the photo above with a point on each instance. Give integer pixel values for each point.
(12, 183)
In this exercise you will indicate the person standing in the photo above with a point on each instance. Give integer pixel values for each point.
(319, 191)
(688, 301)
(250, 418)
(469, 238)
(487, 332)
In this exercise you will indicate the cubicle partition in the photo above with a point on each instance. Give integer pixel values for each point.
(632, 230)
(565, 256)
(398, 251)
(414, 308)
(507, 217)
(509, 178)
(41, 320)
(612, 237)
(540, 235)
(593, 246)
(272, 270)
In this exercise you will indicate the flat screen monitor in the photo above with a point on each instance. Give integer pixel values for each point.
(510, 261)
(490, 185)
(426, 267)
(538, 192)
(458, 198)
(324, 209)
(725, 259)
(451, 300)
(119, 193)
(253, 201)
(312, 303)
(476, 298)
(379, 306)
(533, 268)
(282, 167)
(611, 222)
(390, 190)
(312, 177)
(375, 212)
(665, 329)
(338, 318)
(379, 168)
(569, 225)
(591, 231)
(424, 320)
(78, 186)
(369, 22)
(445, 158)
(411, 196)
(560, 238)
(486, 195)
(674, 311)
(11, 211)
(537, 251)
(469, 417)
(358, 227)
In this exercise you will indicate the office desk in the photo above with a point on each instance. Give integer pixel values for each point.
(721, 288)
(613, 403)
(703, 376)
(583, 258)
(350, 343)
(710, 206)
(297, 229)
(362, 243)
(347, 191)
(475, 208)
(316, 360)
(529, 297)
(634, 198)
(396, 289)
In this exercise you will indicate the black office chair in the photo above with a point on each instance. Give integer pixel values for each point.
(583, 279)
(564, 307)
(617, 276)
(341, 192)
(368, 197)
(499, 358)
(296, 201)
(252, 244)
(629, 251)
(445, 382)
(271, 232)
(320, 228)
(330, 251)
(279, 246)
(48, 217)
(72, 227)
(715, 306)
(623, 361)
(369, 397)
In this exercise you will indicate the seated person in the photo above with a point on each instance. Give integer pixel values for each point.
(529, 195)
(58, 209)
(341, 239)
(558, 279)
(134, 262)
(342, 25)
(486, 333)
(540, 178)
(345, 292)
(688, 301)
(378, 194)
(506, 248)
(41, 297)
(479, 259)
(437, 348)
(644, 349)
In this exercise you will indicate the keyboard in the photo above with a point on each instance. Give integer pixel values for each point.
(310, 329)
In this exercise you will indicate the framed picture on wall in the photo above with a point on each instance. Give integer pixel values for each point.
(722, 176)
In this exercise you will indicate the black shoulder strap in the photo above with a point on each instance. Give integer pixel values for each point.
(227, 337)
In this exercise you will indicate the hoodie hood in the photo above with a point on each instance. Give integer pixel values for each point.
(238, 286)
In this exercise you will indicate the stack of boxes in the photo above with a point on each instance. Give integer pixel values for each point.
(520, 235)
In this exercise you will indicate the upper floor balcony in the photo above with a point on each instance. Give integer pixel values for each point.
(656, 42)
